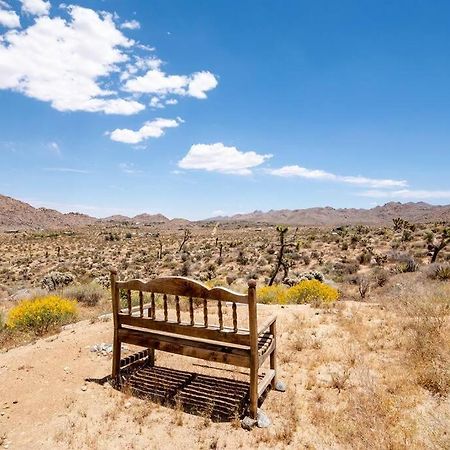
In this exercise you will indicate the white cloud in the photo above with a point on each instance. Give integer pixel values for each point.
(65, 170)
(151, 129)
(9, 19)
(62, 62)
(200, 83)
(407, 194)
(129, 168)
(35, 7)
(155, 81)
(219, 158)
(131, 25)
(82, 61)
(317, 174)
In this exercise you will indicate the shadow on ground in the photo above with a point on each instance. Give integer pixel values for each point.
(220, 399)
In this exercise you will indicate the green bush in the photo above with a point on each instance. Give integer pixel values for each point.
(40, 314)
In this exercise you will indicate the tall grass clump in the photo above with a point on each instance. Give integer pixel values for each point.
(88, 294)
(40, 314)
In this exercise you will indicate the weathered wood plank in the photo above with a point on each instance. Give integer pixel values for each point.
(184, 287)
(239, 337)
(182, 346)
(264, 383)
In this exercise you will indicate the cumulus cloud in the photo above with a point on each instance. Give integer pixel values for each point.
(131, 25)
(9, 19)
(82, 61)
(155, 81)
(35, 7)
(317, 174)
(407, 194)
(62, 61)
(151, 129)
(219, 158)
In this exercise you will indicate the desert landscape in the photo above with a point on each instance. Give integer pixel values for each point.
(368, 370)
(224, 225)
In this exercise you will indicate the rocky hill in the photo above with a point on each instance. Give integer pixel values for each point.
(15, 214)
(327, 216)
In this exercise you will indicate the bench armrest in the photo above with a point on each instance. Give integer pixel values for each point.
(264, 327)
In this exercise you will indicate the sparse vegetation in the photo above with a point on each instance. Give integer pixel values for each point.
(374, 374)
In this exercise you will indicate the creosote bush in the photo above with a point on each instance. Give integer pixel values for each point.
(307, 291)
(40, 314)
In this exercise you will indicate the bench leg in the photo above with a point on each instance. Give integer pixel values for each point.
(117, 346)
(253, 391)
(273, 355)
(151, 357)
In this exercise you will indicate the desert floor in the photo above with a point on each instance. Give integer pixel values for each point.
(347, 388)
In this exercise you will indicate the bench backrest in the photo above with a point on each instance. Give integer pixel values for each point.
(154, 297)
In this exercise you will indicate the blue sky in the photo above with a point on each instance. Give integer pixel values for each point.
(199, 108)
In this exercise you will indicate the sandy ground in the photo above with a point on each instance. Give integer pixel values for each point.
(45, 402)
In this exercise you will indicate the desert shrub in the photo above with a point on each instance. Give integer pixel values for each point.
(311, 275)
(56, 280)
(364, 258)
(271, 294)
(88, 294)
(2, 321)
(42, 313)
(407, 264)
(439, 272)
(311, 291)
(380, 276)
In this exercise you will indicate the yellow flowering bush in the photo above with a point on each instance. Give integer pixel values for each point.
(307, 291)
(41, 313)
(311, 291)
(271, 294)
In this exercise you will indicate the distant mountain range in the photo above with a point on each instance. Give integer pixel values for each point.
(327, 216)
(17, 215)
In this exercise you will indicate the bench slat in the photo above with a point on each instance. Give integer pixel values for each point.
(239, 337)
(181, 346)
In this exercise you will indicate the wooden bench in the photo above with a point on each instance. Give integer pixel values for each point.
(148, 325)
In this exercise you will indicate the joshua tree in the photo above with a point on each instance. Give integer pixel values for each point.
(186, 237)
(281, 259)
(160, 253)
(435, 247)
